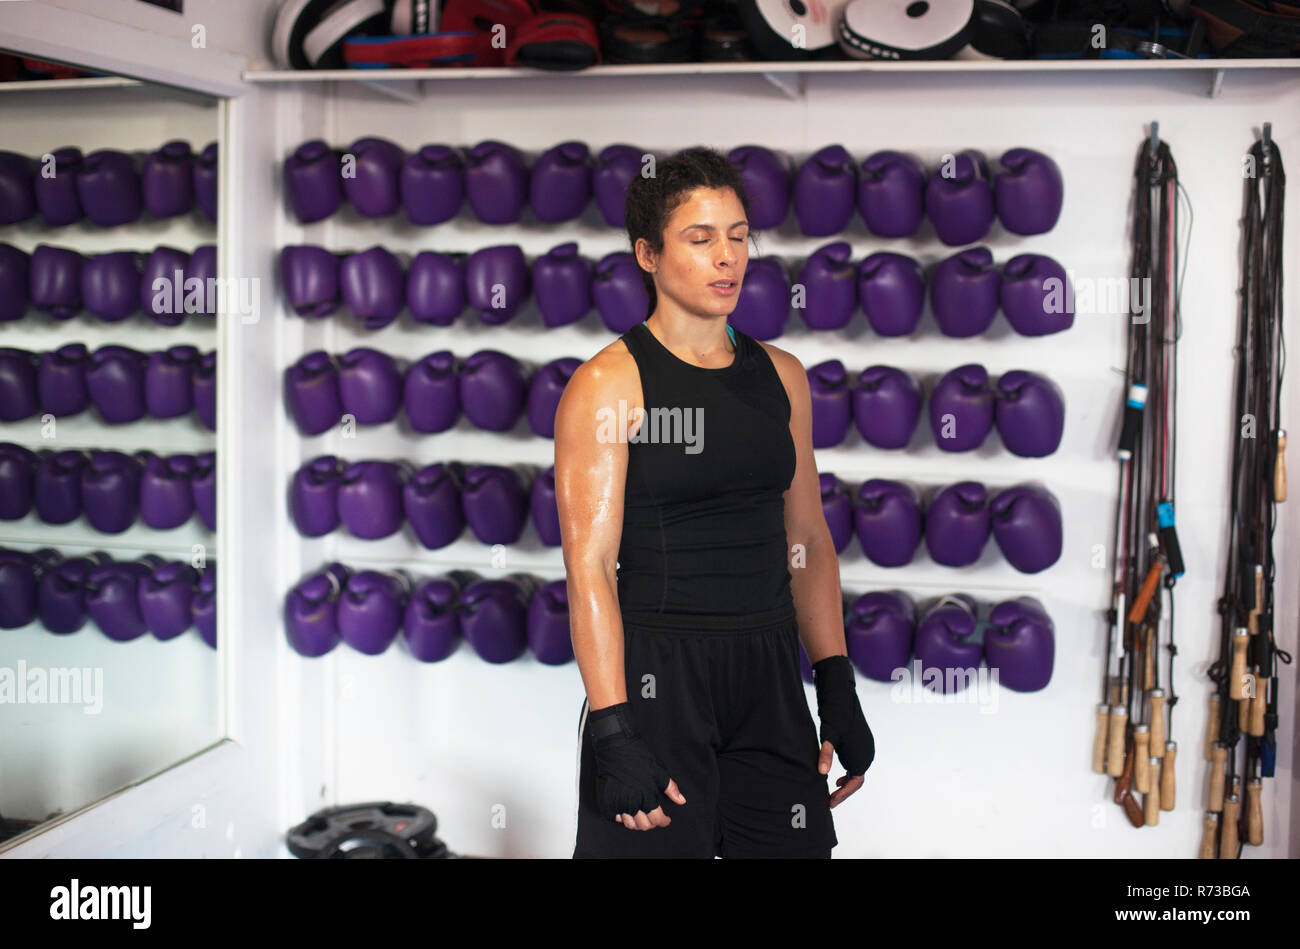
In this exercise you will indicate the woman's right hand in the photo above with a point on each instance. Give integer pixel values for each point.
(629, 776)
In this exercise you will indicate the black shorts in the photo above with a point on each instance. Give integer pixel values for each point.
(721, 702)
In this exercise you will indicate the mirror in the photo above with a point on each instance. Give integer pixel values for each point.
(108, 662)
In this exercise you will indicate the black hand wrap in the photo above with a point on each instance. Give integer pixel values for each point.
(628, 775)
(843, 723)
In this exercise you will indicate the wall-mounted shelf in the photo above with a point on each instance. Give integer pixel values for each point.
(63, 85)
(788, 77)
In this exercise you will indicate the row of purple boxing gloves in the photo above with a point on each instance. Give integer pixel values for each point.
(108, 187)
(502, 619)
(892, 190)
(111, 488)
(890, 521)
(124, 598)
(493, 389)
(1016, 639)
(165, 284)
(123, 384)
(373, 499)
(966, 290)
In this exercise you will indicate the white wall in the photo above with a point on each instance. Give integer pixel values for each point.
(463, 736)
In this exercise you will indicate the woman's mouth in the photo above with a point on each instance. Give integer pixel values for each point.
(724, 287)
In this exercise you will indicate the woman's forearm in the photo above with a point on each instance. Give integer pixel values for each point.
(818, 602)
(596, 628)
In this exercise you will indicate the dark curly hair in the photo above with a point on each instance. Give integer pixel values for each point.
(651, 200)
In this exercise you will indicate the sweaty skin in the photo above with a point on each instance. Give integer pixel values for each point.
(705, 240)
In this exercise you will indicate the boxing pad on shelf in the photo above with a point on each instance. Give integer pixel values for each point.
(431, 393)
(432, 502)
(959, 198)
(619, 292)
(837, 508)
(766, 177)
(559, 185)
(961, 409)
(891, 288)
(763, 304)
(562, 285)
(167, 181)
(55, 187)
(373, 286)
(832, 403)
(888, 521)
(370, 386)
(958, 524)
(902, 30)
(116, 383)
(1030, 414)
(435, 287)
(886, 406)
(496, 182)
(964, 292)
(370, 499)
(616, 166)
(784, 31)
(431, 621)
(110, 284)
(370, 610)
(1036, 295)
(495, 502)
(497, 282)
(878, 633)
(948, 645)
(825, 191)
(830, 287)
(108, 188)
(313, 181)
(311, 393)
(548, 624)
(544, 394)
(1020, 644)
(1028, 192)
(891, 193)
(493, 388)
(1027, 527)
(432, 184)
(310, 34)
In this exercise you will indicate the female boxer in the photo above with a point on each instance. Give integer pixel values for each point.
(697, 557)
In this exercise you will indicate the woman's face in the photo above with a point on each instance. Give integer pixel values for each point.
(706, 248)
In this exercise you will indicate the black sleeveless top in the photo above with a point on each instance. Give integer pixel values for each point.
(704, 516)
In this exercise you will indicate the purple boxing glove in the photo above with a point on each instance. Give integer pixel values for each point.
(891, 288)
(1020, 644)
(878, 632)
(888, 522)
(958, 524)
(947, 645)
(1027, 527)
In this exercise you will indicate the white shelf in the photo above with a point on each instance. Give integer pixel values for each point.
(759, 68)
(63, 85)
